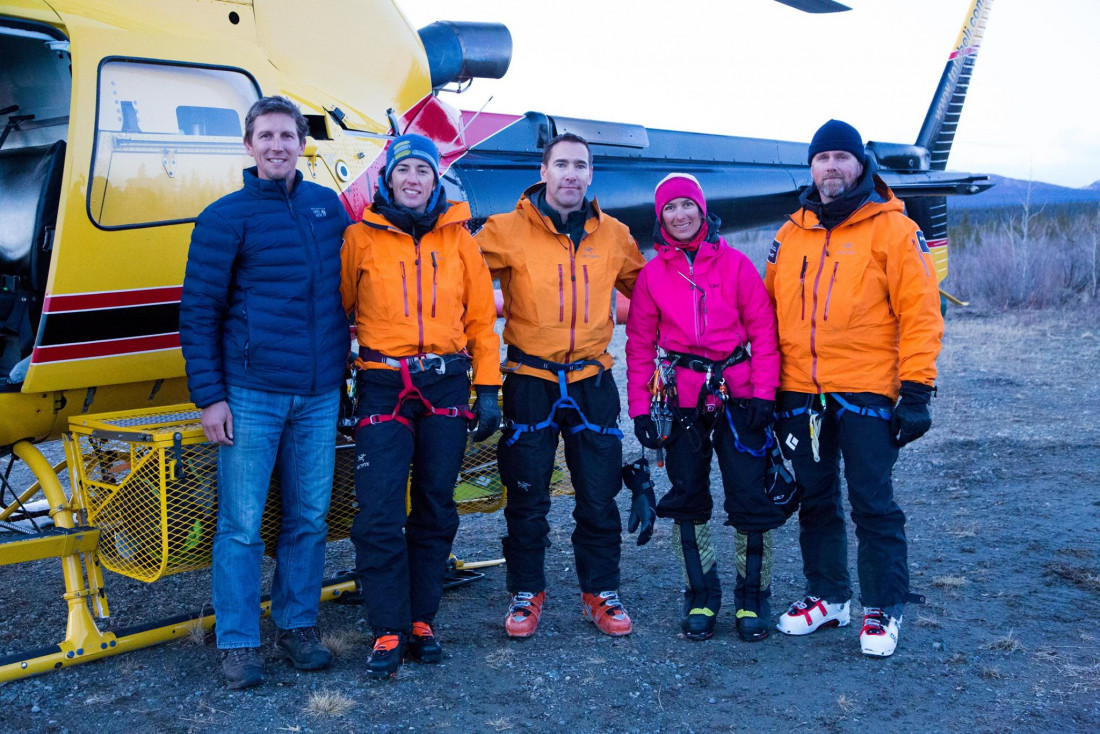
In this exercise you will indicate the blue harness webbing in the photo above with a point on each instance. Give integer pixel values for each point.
(845, 407)
(564, 400)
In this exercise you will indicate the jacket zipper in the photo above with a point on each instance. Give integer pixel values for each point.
(802, 284)
(435, 272)
(561, 294)
(829, 294)
(404, 288)
(573, 314)
(584, 269)
(813, 312)
(314, 267)
(419, 302)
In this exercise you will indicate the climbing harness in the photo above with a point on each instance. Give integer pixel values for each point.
(815, 416)
(561, 369)
(409, 366)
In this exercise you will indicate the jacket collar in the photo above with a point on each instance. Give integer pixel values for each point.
(880, 200)
(457, 213)
(268, 188)
(528, 208)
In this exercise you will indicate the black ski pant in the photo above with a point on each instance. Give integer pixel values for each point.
(595, 465)
(869, 456)
(401, 559)
(688, 458)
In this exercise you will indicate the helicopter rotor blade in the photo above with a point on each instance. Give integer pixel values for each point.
(815, 6)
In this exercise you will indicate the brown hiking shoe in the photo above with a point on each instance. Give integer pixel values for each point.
(242, 667)
(303, 647)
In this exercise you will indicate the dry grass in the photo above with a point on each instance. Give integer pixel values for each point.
(927, 620)
(949, 582)
(1081, 577)
(501, 724)
(342, 642)
(970, 531)
(1008, 643)
(991, 672)
(1081, 677)
(846, 704)
(502, 657)
(1046, 655)
(195, 634)
(326, 704)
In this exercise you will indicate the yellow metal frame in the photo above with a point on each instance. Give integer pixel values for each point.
(77, 542)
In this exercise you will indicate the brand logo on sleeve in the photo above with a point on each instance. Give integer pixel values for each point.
(921, 242)
(773, 253)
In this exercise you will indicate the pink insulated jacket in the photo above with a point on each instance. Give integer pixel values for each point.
(706, 308)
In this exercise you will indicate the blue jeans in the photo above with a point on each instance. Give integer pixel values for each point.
(295, 434)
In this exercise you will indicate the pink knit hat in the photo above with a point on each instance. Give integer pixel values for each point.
(677, 185)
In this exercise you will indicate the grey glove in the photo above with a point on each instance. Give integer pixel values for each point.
(643, 506)
(911, 418)
(486, 412)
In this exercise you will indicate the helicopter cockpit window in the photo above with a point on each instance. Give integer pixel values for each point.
(168, 141)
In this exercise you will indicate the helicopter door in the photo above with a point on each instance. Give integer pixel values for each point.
(35, 91)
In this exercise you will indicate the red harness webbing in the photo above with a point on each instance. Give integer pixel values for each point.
(411, 392)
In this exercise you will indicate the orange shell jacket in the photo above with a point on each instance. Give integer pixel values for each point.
(557, 298)
(409, 298)
(858, 306)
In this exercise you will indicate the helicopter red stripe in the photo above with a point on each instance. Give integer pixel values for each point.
(108, 348)
(111, 299)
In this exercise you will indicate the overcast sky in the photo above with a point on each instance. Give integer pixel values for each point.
(760, 69)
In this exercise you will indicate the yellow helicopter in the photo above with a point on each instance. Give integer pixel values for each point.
(122, 119)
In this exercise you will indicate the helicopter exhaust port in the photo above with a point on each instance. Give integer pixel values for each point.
(459, 52)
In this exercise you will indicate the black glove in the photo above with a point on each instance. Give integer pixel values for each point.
(646, 431)
(643, 507)
(911, 418)
(761, 414)
(486, 412)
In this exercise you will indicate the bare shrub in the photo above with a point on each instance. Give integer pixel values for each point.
(846, 704)
(991, 672)
(1026, 257)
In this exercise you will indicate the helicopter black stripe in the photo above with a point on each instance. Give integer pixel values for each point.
(109, 323)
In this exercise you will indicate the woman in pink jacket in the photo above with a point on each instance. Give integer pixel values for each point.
(702, 361)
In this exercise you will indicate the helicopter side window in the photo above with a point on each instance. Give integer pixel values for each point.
(168, 141)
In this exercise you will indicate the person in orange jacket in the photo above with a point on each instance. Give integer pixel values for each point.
(559, 259)
(423, 304)
(857, 302)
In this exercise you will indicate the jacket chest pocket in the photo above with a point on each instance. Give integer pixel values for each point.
(794, 284)
(846, 282)
(554, 286)
(443, 284)
(391, 289)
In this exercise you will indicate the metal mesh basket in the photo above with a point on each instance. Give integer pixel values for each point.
(148, 481)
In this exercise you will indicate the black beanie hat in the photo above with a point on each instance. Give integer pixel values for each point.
(837, 135)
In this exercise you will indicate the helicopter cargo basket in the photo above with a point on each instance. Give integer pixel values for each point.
(148, 481)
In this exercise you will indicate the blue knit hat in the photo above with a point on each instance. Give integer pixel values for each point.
(411, 146)
(837, 135)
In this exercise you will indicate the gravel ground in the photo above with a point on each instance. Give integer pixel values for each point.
(1004, 530)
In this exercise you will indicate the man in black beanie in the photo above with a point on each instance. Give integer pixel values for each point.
(857, 302)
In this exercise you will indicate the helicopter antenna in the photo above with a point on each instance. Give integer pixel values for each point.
(471, 122)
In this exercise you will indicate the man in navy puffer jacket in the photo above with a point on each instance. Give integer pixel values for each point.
(265, 340)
